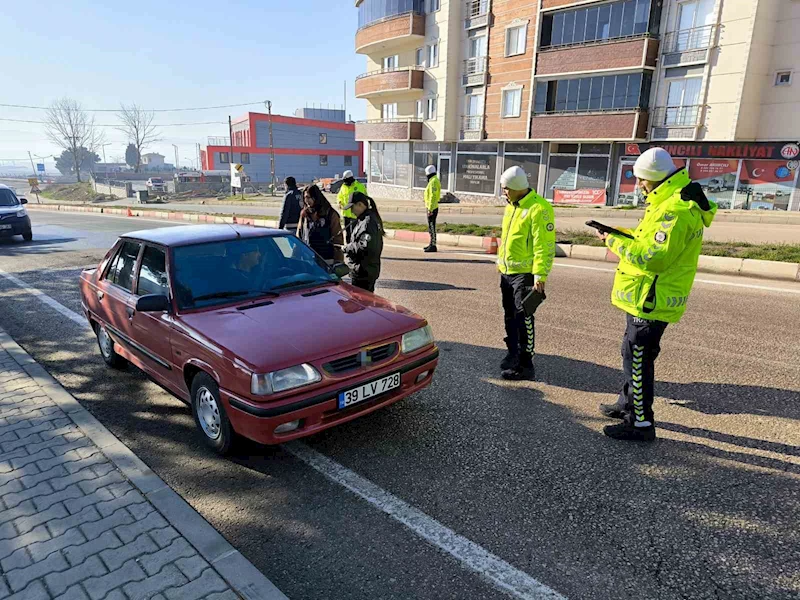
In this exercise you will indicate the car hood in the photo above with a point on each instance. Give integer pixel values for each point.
(302, 326)
(5, 210)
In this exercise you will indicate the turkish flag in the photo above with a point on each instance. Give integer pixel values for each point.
(765, 171)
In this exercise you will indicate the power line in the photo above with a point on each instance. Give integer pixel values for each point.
(146, 110)
(119, 125)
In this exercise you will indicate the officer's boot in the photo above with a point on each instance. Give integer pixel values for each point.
(511, 358)
(629, 432)
(522, 371)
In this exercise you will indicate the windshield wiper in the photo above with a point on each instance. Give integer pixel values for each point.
(299, 283)
(229, 294)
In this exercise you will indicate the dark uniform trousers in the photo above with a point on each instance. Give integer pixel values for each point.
(520, 336)
(641, 346)
(349, 223)
(365, 283)
(432, 225)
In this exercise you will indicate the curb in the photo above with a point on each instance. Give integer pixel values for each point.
(722, 265)
(238, 572)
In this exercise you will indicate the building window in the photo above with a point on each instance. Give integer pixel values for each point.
(590, 94)
(512, 101)
(370, 11)
(323, 138)
(390, 163)
(323, 160)
(476, 167)
(433, 55)
(419, 57)
(245, 158)
(783, 78)
(223, 158)
(390, 63)
(432, 153)
(389, 111)
(623, 18)
(348, 161)
(576, 167)
(432, 5)
(515, 39)
(430, 109)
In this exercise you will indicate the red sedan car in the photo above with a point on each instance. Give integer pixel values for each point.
(252, 329)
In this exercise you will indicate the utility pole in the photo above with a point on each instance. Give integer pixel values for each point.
(271, 150)
(199, 162)
(345, 101)
(177, 160)
(230, 153)
(32, 167)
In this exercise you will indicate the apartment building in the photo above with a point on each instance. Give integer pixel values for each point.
(574, 90)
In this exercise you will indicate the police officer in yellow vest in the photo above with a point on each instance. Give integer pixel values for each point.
(653, 281)
(349, 185)
(524, 259)
(433, 192)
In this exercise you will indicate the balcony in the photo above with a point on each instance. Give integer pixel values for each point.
(390, 81)
(597, 56)
(389, 130)
(688, 46)
(472, 128)
(474, 71)
(477, 12)
(618, 125)
(676, 122)
(391, 32)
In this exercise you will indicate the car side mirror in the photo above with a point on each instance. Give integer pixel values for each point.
(23, 200)
(340, 270)
(152, 303)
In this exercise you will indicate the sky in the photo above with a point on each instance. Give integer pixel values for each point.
(171, 54)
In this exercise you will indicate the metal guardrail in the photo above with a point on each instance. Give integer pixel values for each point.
(477, 13)
(602, 41)
(685, 40)
(475, 66)
(676, 116)
(589, 111)
(389, 70)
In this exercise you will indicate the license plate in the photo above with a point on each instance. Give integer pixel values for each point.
(369, 390)
(3, 227)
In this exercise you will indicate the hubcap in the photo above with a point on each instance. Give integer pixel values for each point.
(208, 413)
(106, 343)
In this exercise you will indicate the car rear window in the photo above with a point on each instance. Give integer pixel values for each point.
(153, 273)
(7, 198)
(223, 272)
(121, 270)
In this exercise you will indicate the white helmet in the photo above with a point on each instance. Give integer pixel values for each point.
(654, 164)
(347, 174)
(430, 170)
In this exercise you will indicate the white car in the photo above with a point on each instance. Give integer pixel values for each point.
(156, 184)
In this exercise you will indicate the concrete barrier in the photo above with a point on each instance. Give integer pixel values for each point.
(770, 269)
(723, 265)
(588, 252)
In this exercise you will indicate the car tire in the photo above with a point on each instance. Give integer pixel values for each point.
(106, 345)
(27, 236)
(210, 416)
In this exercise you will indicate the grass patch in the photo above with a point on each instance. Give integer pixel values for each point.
(74, 192)
(452, 228)
(779, 252)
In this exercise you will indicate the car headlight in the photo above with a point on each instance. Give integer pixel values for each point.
(285, 379)
(22, 212)
(419, 338)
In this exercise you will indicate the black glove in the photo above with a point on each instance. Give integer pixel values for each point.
(694, 191)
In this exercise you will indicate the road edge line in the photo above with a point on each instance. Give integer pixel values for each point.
(238, 572)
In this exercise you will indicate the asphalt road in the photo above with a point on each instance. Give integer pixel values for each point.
(709, 511)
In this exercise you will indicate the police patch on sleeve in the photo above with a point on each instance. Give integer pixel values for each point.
(661, 237)
(550, 227)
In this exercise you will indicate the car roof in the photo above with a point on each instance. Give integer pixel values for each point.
(188, 235)
(3, 186)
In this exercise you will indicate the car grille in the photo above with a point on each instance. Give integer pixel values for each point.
(366, 358)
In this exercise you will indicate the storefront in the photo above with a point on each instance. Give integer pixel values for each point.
(578, 173)
(749, 176)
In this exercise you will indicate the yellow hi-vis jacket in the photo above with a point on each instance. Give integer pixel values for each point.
(344, 196)
(657, 268)
(433, 191)
(528, 243)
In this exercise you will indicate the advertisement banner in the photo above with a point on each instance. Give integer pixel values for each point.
(701, 169)
(766, 171)
(585, 196)
(475, 173)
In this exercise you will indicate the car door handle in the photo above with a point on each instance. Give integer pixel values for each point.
(131, 311)
(100, 295)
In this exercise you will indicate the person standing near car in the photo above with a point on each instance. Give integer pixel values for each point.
(320, 226)
(657, 267)
(433, 192)
(363, 253)
(349, 185)
(524, 259)
(292, 205)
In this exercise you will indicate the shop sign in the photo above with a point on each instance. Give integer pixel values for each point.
(475, 173)
(586, 196)
(753, 150)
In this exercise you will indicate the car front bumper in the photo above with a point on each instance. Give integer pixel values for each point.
(15, 225)
(319, 410)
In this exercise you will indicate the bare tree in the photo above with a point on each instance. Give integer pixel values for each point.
(69, 127)
(137, 124)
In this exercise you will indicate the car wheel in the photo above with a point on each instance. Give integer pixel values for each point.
(27, 236)
(107, 351)
(209, 414)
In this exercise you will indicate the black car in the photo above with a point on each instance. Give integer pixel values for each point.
(14, 219)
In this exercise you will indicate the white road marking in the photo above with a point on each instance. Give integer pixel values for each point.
(749, 286)
(504, 576)
(489, 566)
(52, 303)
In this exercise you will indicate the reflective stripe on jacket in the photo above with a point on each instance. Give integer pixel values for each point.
(433, 191)
(657, 268)
(344, 196)
(528, 242)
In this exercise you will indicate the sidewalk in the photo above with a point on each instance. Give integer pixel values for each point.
(81, 517)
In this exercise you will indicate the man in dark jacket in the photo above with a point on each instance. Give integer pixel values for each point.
(292, 205)
(363, 253)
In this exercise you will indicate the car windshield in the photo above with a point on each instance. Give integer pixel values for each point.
(243, 269)
(157, 180)
(7, 198)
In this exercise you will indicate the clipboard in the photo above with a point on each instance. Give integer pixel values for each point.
(532, 301)
(606, 229)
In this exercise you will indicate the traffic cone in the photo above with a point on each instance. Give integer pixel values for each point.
(234, 219)
(130, 213)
